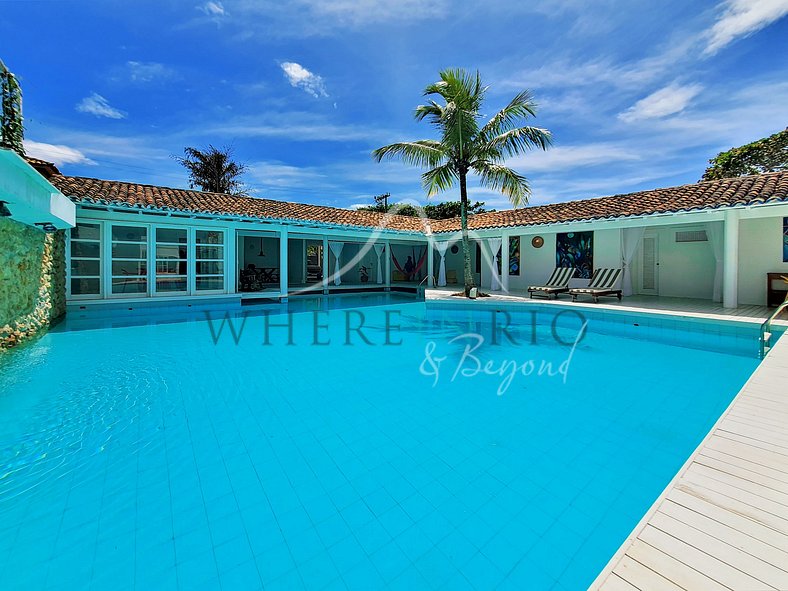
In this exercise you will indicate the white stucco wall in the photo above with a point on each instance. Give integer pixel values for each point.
(686, 269)
(538, 263)
(760, 252)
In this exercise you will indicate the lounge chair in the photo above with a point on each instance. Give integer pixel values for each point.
(558, 283)
(603, 283)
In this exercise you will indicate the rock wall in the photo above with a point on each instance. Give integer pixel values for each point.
(32, 281)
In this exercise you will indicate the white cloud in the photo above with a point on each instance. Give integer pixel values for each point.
(572, 157)
(667, 101)
(213, 9)
(97, 105)
(741, 18)
(300, 77)
(59, 154)
(147, 71)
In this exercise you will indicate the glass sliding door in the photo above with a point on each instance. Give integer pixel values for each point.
(129, 260)
(171, 261)
(85, 256)
(209, 260)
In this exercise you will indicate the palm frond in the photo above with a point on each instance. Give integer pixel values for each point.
(424, 153)
(519, 140)
(522, 106)
(440, 178)
(502, 178)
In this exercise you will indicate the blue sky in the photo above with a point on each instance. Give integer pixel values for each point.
(638, 94)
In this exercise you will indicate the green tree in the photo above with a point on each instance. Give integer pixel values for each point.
(213, 170)
(11, 127)
(452, 209)
(769, 154)
(467, 145)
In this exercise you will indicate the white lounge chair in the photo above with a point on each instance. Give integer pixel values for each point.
(603, 283)
(557, 283)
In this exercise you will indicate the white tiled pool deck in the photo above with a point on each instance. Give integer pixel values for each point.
(653, 304)
(722, 522)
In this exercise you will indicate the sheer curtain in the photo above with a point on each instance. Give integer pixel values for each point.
(495, 280)
(716, 236)
(379, 251)
(336, 248)
(630, 239)
(442, 247)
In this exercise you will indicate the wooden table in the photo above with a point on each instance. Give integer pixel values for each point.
(776, 289)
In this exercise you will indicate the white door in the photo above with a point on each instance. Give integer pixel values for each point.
(649, 265)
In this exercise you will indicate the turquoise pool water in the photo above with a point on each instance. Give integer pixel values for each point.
(137, 451)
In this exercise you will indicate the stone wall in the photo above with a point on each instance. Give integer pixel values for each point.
(32, 281)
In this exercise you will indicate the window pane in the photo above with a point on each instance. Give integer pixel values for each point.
(171, 235)
(86, 231)
(210, 252)
(210, 237)
(129, 233)
(129, 267)
(129, 285)
(170, 252)
(86, 249)
(171, 268)
(210, 268)
(129, 251)
(85, 287)
(209, 283)
(171, 284)
(85, 268)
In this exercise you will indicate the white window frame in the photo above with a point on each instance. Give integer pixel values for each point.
(149, 260)
(194, 261)
(189, 242)
(100, 277)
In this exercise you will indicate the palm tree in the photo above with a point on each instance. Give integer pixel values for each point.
(466, 145)
(213, 170)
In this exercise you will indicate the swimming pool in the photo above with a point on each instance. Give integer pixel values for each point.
(427, 446)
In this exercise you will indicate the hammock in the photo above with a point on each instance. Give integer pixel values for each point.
(416, 269)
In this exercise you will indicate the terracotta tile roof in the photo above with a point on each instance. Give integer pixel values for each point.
(46, 168)
(88, 190)
(749, 190)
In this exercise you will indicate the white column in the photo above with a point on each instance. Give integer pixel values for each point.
(430, 265)
(283, 263)
(505, 262)
(730, 273)
(387, 254)
(231, 262)
(325, 264)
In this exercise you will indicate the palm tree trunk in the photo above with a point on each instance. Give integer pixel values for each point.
(466, 243)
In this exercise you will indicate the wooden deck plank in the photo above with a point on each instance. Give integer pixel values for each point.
(711, 566)
(709, 453)
(777, 557)
(643, 577)
(671, 568)
(616, 583)
(724, 517)
(775, 480)
(721, 514)
(747, 564)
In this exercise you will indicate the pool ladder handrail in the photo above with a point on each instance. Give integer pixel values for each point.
(421, 289)
(766, 330)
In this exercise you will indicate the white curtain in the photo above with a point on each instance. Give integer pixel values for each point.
(630, 239)
(716, 236)
(379, 251)
(442, 247)
(336, 248)
(495, 245)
